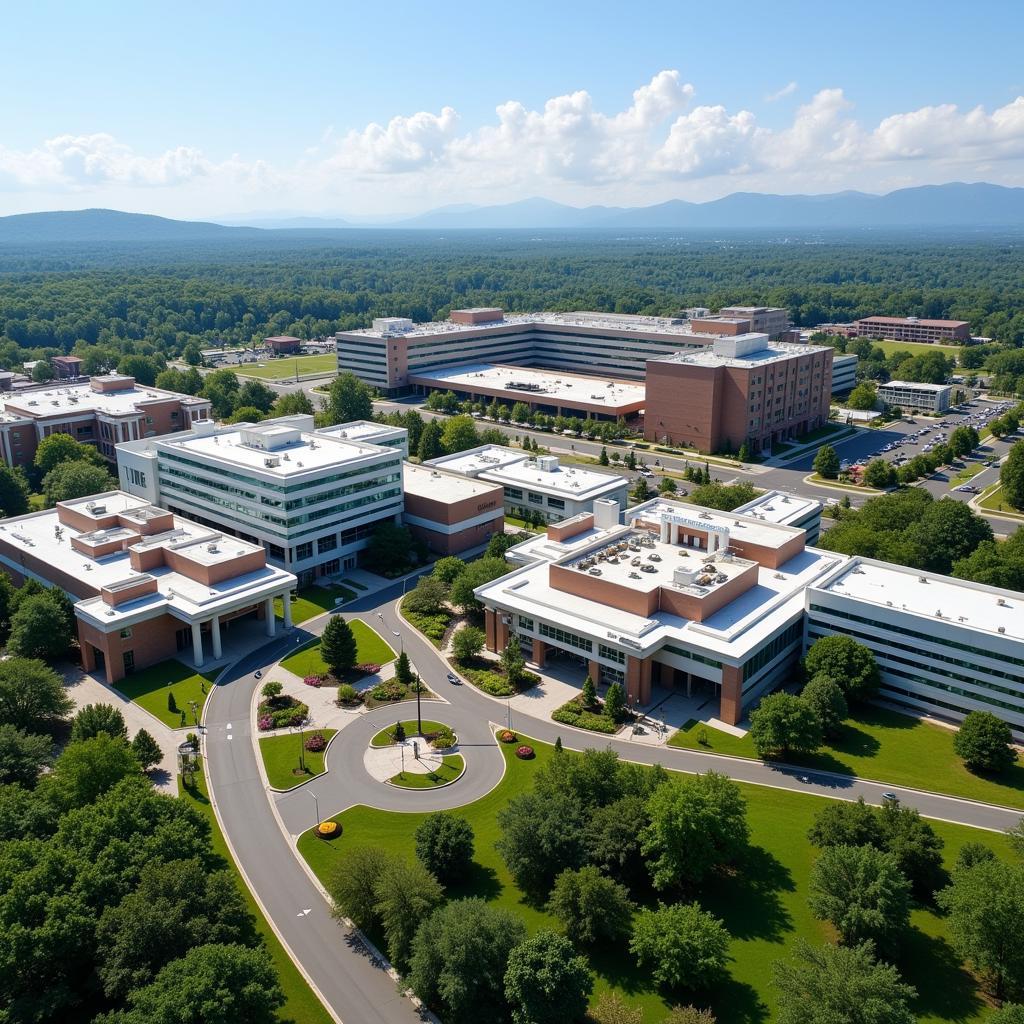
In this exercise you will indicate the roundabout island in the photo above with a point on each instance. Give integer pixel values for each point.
(415, 758)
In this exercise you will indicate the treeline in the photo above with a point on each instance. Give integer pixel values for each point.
(157, 299)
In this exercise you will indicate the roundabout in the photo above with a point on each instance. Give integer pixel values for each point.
(401, 756)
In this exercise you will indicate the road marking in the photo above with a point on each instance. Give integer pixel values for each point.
(303, 913)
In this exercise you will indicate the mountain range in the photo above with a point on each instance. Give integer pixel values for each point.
(954, 205)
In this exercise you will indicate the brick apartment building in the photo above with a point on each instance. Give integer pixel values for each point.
(103, 411)
(910, 328)
(742, 388)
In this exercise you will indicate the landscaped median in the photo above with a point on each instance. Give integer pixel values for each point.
(371, 649)
(762, 901)
(418, 750)
(293, 758)
(876, 743)
(167, 692)
(309, 602)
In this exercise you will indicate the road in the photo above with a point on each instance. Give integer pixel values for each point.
(360, 991)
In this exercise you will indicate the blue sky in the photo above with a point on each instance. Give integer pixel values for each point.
(211, 109)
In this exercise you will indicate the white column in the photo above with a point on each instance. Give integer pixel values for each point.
(286, 600)
(215, 635)
(664, 531)
(197, 645)
(268, 613)
(673, 533)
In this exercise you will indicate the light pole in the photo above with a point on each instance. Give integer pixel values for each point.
(508, 712)
(316, 803)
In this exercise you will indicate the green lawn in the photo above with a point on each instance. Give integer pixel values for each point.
(764, 905)
(884, 745)
(451, 768)
(522, 524)
(817, 478)
(970, 470)
(301, 1005)
(370, 647)
(312, 601)
(916, 348)
(149, 689)
(281, 755)
(288, 366)
(993, 501)
(383, 738)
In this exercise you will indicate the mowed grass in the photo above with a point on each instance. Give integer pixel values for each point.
(916, 348)
(149, 689)
(301, 1005)
(383, 738)
(994, 501)
(763, 905)
(287, 366)
(281, 757)
(885, 746)
(450, 769)
(313, 601)
(370, 647)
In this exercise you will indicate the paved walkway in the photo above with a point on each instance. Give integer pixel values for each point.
(411, 755)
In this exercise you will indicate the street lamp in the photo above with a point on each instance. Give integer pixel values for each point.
(316, 803)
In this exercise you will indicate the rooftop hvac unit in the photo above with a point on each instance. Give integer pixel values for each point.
(1002, 629)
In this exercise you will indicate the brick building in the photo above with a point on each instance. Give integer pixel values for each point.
(103, 411)
(742, 388)
(450, 512)
(911, 328)
(284, 345)
(147, 585)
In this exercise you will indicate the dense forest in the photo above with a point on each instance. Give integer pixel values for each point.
(113, 299)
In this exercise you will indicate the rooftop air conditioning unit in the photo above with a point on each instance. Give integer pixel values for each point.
(1002, 629)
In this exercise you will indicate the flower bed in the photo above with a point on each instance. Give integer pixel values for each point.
(507, 736)
(574, 713)
(348, 695)
(316, 743)
(367, 668)
(328, 830)
(316, 681)
(524, 752)
(488, 676)
(279, 712)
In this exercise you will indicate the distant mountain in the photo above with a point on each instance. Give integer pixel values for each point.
(291, 223)
(111, 226)
(953, 205)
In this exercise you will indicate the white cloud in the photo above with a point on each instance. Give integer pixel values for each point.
(787, 90)
(565, 148)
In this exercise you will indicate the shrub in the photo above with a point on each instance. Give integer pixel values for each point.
(316, 681)
(443, 742)
(524, 752)
(283, 711)
(984, 743)
(507, 736)
(387, 691)
(271, 691)
(348, 694)
(316, 743)
(366, 668)
(573, 713)
(398, 733)
(264, 722)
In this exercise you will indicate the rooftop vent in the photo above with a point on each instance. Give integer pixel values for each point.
(1002, 602)
(922, 579)
(1002, 629)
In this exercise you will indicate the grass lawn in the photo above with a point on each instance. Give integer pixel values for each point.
(433, 627)
(764, 906)
(916, 348)
(383, 738)
(817, 478)
(288, 366)
(994, 502)
(370, 647)
(522, 524)
(451, 768)
(887, 746)
(970, 470)
(313, 601)
(281, 755)
(301, 1005)
(149, 689)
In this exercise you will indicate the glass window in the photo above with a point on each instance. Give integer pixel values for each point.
(536, 499)
(129, 661)
(126, 633)
(327, 543)
(303, 551)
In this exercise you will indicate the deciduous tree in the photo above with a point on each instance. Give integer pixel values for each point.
(680, 946)
(546, 982)
(984, 743)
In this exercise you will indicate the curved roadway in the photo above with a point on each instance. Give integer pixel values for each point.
(358, 990)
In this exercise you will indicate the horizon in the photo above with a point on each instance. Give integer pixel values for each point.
(393, 112)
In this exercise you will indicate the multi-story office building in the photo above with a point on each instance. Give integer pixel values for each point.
(723, 603)
(311, 499)
(844, 373)
(908, 394)
(147, 585)
(536, 484)
(912, 328)
(450, 512)
(103, 412)
(786, 510)
(680, 597)
(733, 320)
(943, 645)
(743, 388)
(394, 350)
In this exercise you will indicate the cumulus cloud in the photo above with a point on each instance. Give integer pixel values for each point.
(566, 148)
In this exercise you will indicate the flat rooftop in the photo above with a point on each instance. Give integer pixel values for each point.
(286, 451)
(367, 431)
(777, 507)
(514, 468)
(622, 322)
(936, 598)
(75, 399)
(911, 321)
(548, 386)
(916, 386)
(743, 350)
(764, 532)
(427, 482)
(42, 535)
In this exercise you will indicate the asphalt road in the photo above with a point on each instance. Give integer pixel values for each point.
(358, 990)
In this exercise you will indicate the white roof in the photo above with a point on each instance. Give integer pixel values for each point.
(367, 431)
(546, 385)
(747, 352)
(427, 482)
(77, 399)
(764, 531)
(916, 386)
(187, 598)
(778, 507)
(514, 468)
(967, 605)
